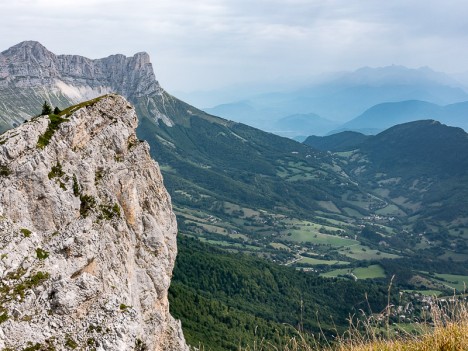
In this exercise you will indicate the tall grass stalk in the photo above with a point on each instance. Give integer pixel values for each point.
(444, 327)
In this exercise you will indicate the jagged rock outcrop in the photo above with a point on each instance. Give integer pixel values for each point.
(87, 235)
(30, 74)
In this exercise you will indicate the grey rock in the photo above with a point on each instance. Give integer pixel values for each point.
(30, 75)
(98, 278)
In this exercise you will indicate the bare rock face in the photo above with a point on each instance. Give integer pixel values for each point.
(30, 64)
(87, 235)
(30, 74)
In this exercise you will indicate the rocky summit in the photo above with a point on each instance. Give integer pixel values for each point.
(30, 74)
(87, 234)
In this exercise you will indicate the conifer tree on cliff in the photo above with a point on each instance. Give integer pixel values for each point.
(46, 109)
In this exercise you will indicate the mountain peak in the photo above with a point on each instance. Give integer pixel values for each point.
(142, 56)
(27, 50)
(32, 44)
(69, 79)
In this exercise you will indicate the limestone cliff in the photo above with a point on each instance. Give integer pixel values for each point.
(30, 74)
(87, 235)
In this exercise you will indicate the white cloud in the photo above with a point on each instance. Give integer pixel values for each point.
(209, 43)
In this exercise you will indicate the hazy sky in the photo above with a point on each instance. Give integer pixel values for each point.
(207, 44)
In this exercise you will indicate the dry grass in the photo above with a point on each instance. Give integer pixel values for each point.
(445, 328)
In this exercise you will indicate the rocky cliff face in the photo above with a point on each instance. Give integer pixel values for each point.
(30, 74)
(87, 233)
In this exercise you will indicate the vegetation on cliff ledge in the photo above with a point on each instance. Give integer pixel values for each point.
(57, 118)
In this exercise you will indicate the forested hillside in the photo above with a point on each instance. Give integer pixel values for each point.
(226, 299)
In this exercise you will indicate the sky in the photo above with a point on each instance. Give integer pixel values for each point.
(204, 45)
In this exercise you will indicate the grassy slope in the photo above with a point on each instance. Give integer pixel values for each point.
(226, 170)
(234, 162)
(450, 337)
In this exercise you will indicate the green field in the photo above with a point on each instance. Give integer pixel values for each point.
(360, 252)
(425, 292)
(390, 210)
(453, 281)
(316, 261)
(229, 244)
(372, 272)
(280, 246)
(319, 238)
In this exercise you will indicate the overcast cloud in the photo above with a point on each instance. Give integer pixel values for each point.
(207, 44)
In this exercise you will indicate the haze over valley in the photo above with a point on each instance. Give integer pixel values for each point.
(367, 100)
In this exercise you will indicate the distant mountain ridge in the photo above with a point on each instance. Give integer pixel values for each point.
(345, 96)
(398, 75)
(30, 74)
(386, 115)
(427, 144)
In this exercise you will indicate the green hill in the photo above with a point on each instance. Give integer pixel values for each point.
(342, 141)
(424, 162)
(417, 148)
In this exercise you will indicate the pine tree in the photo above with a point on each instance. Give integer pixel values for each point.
(57, 110)
(46, 109)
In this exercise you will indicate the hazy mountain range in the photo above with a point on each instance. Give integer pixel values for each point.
(344, 97)
(386, 115)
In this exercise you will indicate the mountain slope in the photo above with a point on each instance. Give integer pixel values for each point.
(265, 299)
(343, 141)
(227, 161)
(231, 184)
(424, 145)
(424, 162)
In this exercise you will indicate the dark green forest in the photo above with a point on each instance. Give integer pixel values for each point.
(226, 299)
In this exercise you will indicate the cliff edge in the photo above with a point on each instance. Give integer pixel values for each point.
(87, 235)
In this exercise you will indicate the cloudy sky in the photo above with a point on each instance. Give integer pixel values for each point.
(209, 44)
